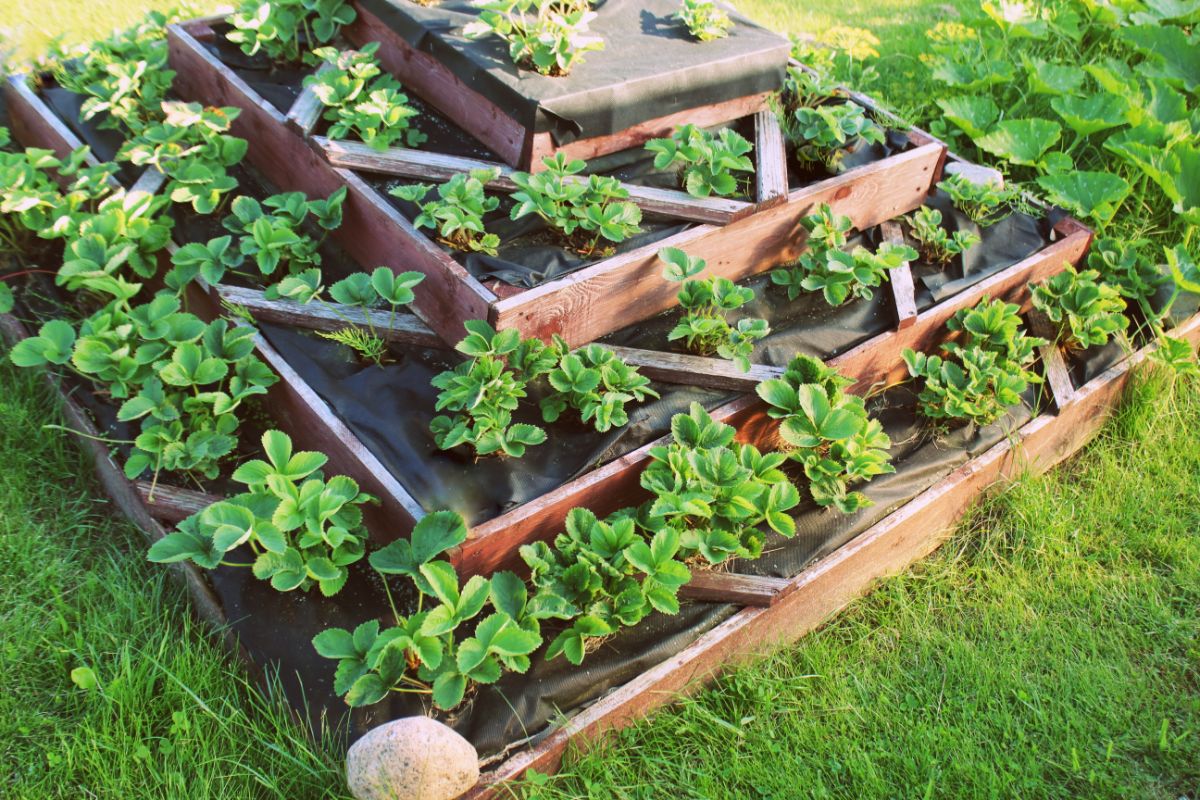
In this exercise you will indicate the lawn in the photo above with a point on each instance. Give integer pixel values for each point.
(1051, 649)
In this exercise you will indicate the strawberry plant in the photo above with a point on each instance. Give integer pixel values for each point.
(549, 36)
(825, 267)
(301, 529)
(602, 575)
(981, 375)
(985, 203)
(442, 650)
(824, 134)
(705, 20)
(1087, 311)
(283, 30)
(1121, 266)
(935, 244)
(361, 100)
(584, 211)
(827, 431)
(597, 384)
(804, 88)
(707, 160)
(705, 327)
(483, 393)
(713, 493)
(271, 233)
(191, 146)
(458, 210)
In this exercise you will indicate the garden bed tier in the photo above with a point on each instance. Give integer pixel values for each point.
(650, 78)
(584, 304)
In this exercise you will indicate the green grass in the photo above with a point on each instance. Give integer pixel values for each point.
(1050, 650)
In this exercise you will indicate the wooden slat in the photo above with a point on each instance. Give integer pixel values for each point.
(172, 504)
(904, 290)
(1058, 377)
(890, 546)
(307, 108)
(730, 587)
(713, 373)
(770, 155)
(149, 182)
(598, 299)
(371, 232)
(422, 165)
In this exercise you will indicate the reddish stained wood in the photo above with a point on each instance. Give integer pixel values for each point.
(371, 231)
(756, 591)
(625, 289)
(422, 165)
(770, 157)
(905, 536)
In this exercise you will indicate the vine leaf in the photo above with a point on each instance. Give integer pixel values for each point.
(1021, 141)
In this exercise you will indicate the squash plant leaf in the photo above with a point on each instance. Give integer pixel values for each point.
(1170, 53)
(6, 299)
(1021, 141)
(1090, 194)
(1182, 12)
(1091, 114)
(1046, 77)
(975, 114)
(1184, 189)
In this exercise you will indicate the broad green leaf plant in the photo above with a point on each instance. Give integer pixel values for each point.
(707, 160)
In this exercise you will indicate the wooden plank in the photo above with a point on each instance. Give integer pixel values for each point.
(756, 591)
(770, 155)
(422, 165)
(598, 299)
(401, 327)
(690, 370)
(172, 504)
(306, 110)
(905, 536)
(1058, 377)
(371, 231)
(904, 290)
(149, 182)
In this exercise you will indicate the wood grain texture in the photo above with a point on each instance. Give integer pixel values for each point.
(306, 110)
(770, 157)
(426, 166)
(681, 368)
(904, 290)
(1058, 377)
(756, 591)
(34, 124)
(903, 537)
(623, 290)
(172, 504)
(371, 231)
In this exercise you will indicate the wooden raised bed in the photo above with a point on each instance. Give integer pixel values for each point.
(582, 305)
(474, 108)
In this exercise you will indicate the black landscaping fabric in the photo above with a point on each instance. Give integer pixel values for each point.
(279, 85)
(389, 409)
(276, 628)
(858, 154)
(650, 66)
(104, 142)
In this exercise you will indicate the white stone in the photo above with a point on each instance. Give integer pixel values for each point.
(415, 758)
(975, 173)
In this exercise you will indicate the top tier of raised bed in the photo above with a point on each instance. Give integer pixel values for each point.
(650, 77)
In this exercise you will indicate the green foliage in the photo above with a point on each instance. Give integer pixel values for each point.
(283, 30)
(1121, 265)
(705, 20)
(192, 147)
(598, 384)
(1094, 195)
(1177, 356)
(584, 210)
(707, 160)
(271, 234)
(936, 245)
(1087, 312)
(824, 134)
(370, 346)
(985, 203)
(549, 36)
(458, 210)
(362, 100)
(125, 78)
(804, 88)
(483, 393)
(982, 374)
(839, 275)
(828, 432)
(302, 529)
(713, 493)
(707, 303)
(442, 650)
